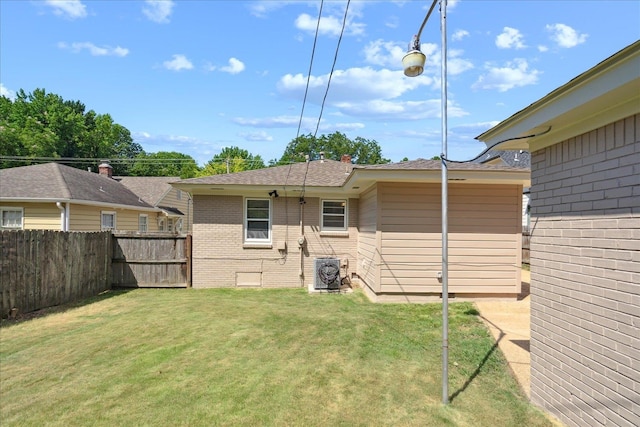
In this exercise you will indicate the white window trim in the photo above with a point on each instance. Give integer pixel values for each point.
(12, 209)
(146, 222)
(102, 227)
(258, 242)
(334, 230)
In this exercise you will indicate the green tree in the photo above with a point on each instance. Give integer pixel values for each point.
(334, 146)
(232, 159)
(41, 124)
(164, 163)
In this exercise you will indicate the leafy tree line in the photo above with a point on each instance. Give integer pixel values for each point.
(40, 124)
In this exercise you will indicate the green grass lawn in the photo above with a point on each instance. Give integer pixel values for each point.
(230, 357)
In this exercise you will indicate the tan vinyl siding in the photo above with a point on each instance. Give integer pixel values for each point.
(88, 218)
(183, 204)
(38, 216)
(368, 240)
(484, 238)
(585, 277)
(220, 258)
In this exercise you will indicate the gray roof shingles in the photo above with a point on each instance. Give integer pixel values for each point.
(151, 189)
(56, 181)
(328, 173)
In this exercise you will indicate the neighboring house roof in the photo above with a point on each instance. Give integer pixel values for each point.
(515, 158)
(607, 92)
(151, 189)
(324, 173)
(331, 175)
(57, 182)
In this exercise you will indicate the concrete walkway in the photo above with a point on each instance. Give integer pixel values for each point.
(509, 323)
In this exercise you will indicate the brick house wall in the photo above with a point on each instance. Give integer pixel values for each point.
(220, 259)
(585, 271)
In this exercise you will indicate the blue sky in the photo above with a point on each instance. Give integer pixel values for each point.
(198, 76)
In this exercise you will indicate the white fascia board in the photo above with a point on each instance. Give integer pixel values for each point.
(608, 92)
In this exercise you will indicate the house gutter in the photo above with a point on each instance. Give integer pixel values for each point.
(64, 216)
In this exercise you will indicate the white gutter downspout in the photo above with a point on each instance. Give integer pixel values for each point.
(64, 216)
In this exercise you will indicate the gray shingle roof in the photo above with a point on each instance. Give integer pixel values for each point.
(424, 164)
(151, 189)
(327, 173)
(515, 158)
(56, 181)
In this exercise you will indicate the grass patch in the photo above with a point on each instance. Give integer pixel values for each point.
(230, 357)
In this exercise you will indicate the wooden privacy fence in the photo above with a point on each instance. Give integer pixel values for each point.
(44, 268)
(148, 260)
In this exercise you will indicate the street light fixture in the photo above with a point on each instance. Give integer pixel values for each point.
(413, 63)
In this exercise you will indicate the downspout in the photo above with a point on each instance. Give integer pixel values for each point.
(301, 242)
(63, 217)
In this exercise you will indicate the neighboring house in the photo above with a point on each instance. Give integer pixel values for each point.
(175, 204)
(382, 223)
(517, 159)
(585, 242)
(52, 196)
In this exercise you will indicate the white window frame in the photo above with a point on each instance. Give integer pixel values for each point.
(170, 224)
(143, 224)
(345, 215)
(107, 213)
(246, 221)
(11, 227)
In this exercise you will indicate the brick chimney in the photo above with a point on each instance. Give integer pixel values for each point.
(105, 169)
(346, 158)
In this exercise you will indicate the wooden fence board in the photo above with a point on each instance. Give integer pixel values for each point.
(44, 268)
(148, 260)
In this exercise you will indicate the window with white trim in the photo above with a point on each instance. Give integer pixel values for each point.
(108, 220)
(11, 218)
(143, 223)
(334, 215)
(257, 221)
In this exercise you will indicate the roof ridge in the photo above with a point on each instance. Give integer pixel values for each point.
(61, 179)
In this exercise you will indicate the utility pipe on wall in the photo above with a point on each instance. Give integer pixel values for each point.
(64, 217)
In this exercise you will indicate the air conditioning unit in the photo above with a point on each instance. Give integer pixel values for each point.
(326, 273)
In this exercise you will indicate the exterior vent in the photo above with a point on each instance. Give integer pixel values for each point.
(326, 273)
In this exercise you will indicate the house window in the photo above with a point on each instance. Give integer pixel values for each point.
(108, 221)
(334, 215)
(143, 223)
(11, 218)
(257, 221)
(178, 194)
(170, 225)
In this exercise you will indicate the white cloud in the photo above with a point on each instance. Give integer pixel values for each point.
(565, 36)
(94, 50)
(256, 136)
(8, 93)
(68, 8)
(542, 48)
(456, 64)
(158, 10)
(270, 122)
(330, 25)
(352, 85)
(459, 35)
(510, 38)
(235, 66)
(178, 63)
(514, 74)
(379, 52)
